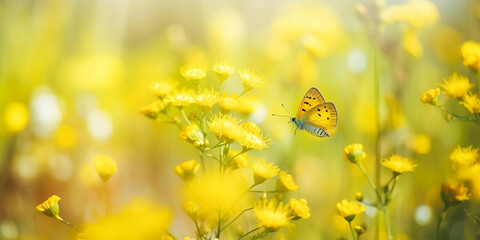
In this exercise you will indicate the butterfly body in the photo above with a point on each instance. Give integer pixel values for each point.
(315, 115)
(316, 131)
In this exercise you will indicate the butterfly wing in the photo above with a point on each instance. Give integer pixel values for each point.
(323, 115)
(312, 98)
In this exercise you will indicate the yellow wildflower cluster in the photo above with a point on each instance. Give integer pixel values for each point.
(471, 55)
(415, 14)
(273, 214)
(466, 169)
(471, 102)
(218, 188)
(460, 88)
(140, 219)
(354, 153)
(229, 129)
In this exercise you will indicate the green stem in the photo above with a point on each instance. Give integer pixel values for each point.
(219, 227)
(185, 116)
(377, 138)
(220, 156)
(107, 199)
(377, 194)
(458, 117)
(67, 223)
(202, 161)
(228, 224)
(219, 144)
(210, 155)
(273, 191)
(225, 157)
(477, 75)
(238, 154)
(251, 231)
(351, 230)
(440, 219)
(170, 234)
(390, 190)
(387, 222)
(199, 235)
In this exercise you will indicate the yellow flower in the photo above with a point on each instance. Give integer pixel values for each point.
(105, 166)
(263, 171)
(359, 196)
(15, 116)
(349, 209)
(456, 86)
(226, 127)
(206, 99)
(193, 73)
(223, 71)
(360, 229)
(285, 182)
(354, 153)
(421, 144)
(250, 79)
(162, 89)
(271, 215)
(253, 137)
(153, 110)
(411, 43)
(239, 160)
(215, 193)
(471, 55)
(299, 208)
(228, 103)
(50, 207)
(181, 98)
(193, 134)
(417, 13)
(186, 170)
(471, 102)
(399, 164)
(454, 194)
(191, 208)
(430, 96)
(464, 156)
(66, 136)
(139, 220)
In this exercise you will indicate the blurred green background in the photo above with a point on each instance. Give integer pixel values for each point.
(77, 73)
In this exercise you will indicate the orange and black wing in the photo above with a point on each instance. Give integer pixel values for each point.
(312, 98)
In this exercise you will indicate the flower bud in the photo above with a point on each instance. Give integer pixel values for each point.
(354, 153)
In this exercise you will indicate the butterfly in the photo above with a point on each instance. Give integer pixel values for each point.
(314, 114)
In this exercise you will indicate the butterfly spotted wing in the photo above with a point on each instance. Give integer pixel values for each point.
(312, 98)
(323, 116)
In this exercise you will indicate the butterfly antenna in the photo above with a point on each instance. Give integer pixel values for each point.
(277, 115)
(286, 110)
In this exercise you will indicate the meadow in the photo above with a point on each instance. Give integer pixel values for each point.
(203, 120)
